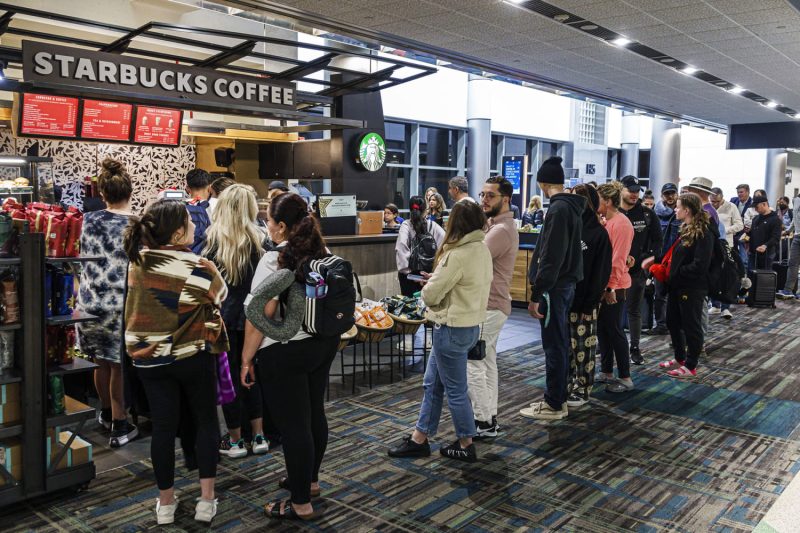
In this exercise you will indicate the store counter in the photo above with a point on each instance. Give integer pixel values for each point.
(373, 259)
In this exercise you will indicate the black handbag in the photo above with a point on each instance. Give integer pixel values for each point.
(478, 352)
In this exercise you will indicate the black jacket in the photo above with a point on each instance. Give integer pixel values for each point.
(558, 259)
(647, 237)
(766, 229)
(596, 265)
(690, 264)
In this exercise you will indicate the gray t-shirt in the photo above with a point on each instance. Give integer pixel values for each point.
(796, 220)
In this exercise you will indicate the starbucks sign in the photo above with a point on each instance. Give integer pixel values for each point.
(372, 151)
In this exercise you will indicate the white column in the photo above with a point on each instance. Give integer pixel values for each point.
(775, 175)
(479, 132)
(665, 154)
(629, 145)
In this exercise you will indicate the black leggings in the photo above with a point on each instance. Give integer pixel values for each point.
(248, 400)
(194, 381)
(611, 340)
(685, 323)
(293, 377)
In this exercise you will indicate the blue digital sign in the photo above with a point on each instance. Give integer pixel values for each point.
(514, 171)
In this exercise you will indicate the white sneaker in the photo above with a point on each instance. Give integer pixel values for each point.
(165, 514)
(206, 510)
(259, 444)
(234, 450)
(713, 311)
(727, 314)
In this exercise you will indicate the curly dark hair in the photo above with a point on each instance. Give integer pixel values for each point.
(304, 240)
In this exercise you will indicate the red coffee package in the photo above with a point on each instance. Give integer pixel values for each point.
(55, 238)
(74, 221)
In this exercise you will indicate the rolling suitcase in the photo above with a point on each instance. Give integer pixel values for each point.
(781, 266)
(765, 285)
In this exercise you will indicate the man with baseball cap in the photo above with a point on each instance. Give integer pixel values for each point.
(647, 240)
(556, 267)
(277, 186)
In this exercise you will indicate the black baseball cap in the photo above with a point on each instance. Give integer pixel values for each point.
(278, 185)
(631, 183)
(669, 187)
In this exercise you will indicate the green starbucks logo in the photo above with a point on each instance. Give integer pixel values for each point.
(372, 151)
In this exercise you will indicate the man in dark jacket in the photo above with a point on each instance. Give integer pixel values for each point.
(647, 241)
(556, 266)
(596, 247)
(765, 235)
(198, 183)
(670, 226)
(743, 202)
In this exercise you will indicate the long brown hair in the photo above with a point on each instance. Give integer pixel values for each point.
(304, 240)
(694, 229)
(465, 217)
(591, 195)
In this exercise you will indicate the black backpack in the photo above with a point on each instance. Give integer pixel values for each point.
(335, 313)
(423, 251)
(724, 274)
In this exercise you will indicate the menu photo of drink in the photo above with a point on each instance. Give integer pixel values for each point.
(158, 125)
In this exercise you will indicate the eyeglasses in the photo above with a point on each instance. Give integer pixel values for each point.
(490, 195)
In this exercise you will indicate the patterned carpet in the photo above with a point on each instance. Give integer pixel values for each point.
(709, 455)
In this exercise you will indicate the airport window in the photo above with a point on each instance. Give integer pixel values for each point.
(398, 139)
(436, 178)
(437, 147)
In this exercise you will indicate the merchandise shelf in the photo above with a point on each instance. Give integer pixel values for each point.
(11, 375)
(10, 327)
(70, 477)
(74, 318)
(74, 411)
(10, 494)
(10, 430)
(77, 365)
(10, 261)
(82, 259)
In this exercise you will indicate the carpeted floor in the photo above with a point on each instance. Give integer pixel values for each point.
(712, 454)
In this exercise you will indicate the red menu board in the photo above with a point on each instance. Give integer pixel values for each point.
(157, 125)
(49, 116)
(106, 120)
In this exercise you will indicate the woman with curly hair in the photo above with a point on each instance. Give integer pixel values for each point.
(688, 286)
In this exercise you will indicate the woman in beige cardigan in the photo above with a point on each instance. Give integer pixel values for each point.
(456, 295)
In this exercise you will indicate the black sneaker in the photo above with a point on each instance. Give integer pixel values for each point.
(122, 432)
(636, 356)
(409, 448)
(485, 430)
(658, 330)
(494, 422)
(576, 399)
(455, 451)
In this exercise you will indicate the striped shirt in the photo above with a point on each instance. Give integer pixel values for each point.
(172, 309)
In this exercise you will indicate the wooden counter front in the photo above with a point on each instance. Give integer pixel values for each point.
(520, 288)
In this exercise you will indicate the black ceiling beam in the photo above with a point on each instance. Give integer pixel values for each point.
(361, 84)
(5, 20)
(121, 45)
(304, 70)
(229, 56)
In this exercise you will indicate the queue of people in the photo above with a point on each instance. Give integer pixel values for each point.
(182, 297)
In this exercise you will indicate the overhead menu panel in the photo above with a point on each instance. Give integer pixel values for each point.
(158, 125)
(106, 120)
(48, 116)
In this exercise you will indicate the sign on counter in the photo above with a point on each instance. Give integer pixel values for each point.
(336, 206)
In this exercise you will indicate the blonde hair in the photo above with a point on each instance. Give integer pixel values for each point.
(536, 203)
(233, 236)
(439, 205)
(611, 191)
(694, 229)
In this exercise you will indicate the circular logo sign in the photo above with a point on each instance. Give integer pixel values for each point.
(372, 151)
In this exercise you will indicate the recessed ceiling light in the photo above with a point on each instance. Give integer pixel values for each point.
(771, 105)
(797, 116)
(589, 27)
(736, 90)
(514, 1)
(667, 60)
(689, 70)
(563, 17)
(621, 41)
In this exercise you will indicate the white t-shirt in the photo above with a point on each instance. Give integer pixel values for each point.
(269, 265)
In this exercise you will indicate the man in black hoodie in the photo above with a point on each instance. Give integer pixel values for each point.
(647, 240)
(765, 235)
(556, 266)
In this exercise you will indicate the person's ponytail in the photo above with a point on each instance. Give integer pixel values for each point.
(132, 240)
(303, 244)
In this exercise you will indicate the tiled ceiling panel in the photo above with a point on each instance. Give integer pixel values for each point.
(752, 43)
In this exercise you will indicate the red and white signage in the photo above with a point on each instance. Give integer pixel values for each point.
(49, 116)
(106, 120)
(157, 125)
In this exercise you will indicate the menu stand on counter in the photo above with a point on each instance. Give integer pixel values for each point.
(37, 477)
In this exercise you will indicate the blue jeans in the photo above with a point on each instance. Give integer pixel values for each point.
(557, 344)
(743, 255)
(447, 373)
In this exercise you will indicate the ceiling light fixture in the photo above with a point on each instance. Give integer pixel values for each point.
(621, 42)
(736, 90)
(589, 27)
(689, 70)
(797, 116)
(771, 105)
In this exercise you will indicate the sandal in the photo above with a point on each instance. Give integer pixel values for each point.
(682, 372)
(669, 364)
(288, 511)
(284, 484)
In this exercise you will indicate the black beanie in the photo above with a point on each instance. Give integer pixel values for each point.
(551, 171)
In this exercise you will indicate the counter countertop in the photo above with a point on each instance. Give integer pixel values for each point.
(361, 239)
